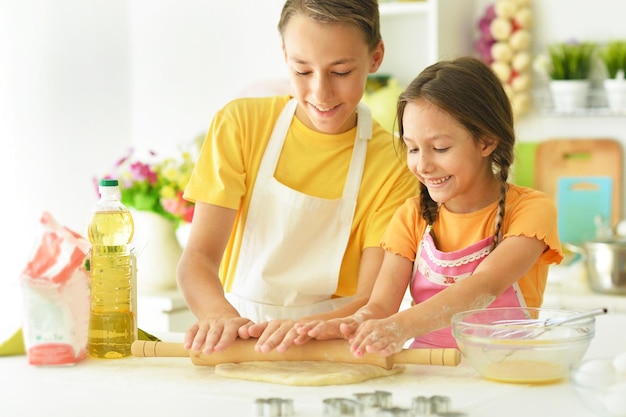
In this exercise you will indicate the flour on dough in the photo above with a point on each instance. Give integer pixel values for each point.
(312, 373)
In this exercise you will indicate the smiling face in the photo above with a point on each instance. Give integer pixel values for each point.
(444, 156)
(328, 65)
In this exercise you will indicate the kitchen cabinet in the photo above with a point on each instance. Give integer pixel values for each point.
(164, 312)
(419, 33)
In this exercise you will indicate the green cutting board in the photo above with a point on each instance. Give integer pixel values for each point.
(581, 201)
(524, 166)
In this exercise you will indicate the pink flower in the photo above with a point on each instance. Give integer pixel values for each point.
(179, 207)
(188, 216)
(140, 171)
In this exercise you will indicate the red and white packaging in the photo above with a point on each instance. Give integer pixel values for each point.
(55, 290)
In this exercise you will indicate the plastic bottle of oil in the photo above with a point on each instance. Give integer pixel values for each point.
(112, 320)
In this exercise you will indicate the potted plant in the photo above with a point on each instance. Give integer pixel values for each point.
(613, 57)
(569, 66)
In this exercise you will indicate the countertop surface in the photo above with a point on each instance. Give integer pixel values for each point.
(174, 386)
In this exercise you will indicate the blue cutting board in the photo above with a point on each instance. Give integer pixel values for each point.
(580, 200)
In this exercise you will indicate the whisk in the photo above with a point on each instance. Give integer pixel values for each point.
(539, 325)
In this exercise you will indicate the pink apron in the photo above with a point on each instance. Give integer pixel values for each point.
(435, 270)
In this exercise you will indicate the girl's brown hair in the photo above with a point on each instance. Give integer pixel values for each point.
(468, 90)
(362, 14)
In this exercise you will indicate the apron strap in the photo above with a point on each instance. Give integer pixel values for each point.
(357, 163)
(275, 144)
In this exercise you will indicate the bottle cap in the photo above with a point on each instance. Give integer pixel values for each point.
(108, 182)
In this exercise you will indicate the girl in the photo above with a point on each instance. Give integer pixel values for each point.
(471, 239)
(294, 193)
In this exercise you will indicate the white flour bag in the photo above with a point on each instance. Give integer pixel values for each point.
(55, 289)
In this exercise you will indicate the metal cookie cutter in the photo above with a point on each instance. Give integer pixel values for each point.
(394, 412)
(340, 407)
(376, 399)
(435, 405)
(273, 407)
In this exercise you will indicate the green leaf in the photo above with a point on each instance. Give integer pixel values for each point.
(571, 61)
(145, 202)
(613, 56)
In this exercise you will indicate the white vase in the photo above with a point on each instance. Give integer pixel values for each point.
(615, 90)
(569, 95)
(182, 233)
(157, 250)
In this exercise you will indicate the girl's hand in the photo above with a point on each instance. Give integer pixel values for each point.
(275, 334)
(341, 328)
(214, 335)
(384, 336)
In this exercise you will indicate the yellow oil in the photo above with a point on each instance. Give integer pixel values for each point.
(525, 371)
(112, 326)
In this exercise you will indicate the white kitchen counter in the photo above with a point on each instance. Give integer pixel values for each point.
(174, 386)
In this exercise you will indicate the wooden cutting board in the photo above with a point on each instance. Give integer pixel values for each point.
(588, 157)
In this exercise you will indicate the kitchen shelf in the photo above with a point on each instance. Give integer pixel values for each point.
(415, 36)
(596, 105)
(587, 112)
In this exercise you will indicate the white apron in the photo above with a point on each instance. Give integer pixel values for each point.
(293, 244)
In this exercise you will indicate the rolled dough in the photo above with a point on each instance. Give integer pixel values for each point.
(311, 373)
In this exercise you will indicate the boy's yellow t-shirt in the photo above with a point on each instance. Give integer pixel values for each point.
(311, 162)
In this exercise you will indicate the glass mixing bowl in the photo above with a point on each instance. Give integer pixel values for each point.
(527, 352)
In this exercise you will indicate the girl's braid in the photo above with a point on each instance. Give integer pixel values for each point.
(429, 207)
(501, 204)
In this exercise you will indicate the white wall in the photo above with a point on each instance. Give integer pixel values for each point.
(80, 81)
(64, 115)
(188, 58)
(64, 111)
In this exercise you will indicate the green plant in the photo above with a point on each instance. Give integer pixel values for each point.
(157, 184)
(613, 55)
(571, 60)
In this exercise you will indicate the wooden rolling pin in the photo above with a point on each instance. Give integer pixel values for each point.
(328, 350)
